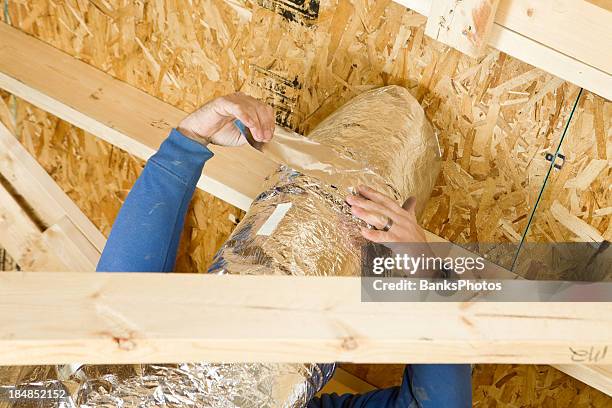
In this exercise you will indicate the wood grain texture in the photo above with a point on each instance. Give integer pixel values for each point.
(563, 38)
(41, 217)
(575, 28)
(111, 318)
(37, 188)
(116, 112)
(598, 377)
(463, 24)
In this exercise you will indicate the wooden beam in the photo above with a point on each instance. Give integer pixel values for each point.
(463, 24)
(585, 64)
(33, 183)
(599, 377)
(43, 228)
(110, 318)
(575, 28)
(21, 237)
(117, 112)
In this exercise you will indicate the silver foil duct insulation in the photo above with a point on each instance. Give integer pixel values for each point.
(300, 225)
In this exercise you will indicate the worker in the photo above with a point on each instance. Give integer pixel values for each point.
(145, 235)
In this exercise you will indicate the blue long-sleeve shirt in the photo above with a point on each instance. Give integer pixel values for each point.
(145, 238)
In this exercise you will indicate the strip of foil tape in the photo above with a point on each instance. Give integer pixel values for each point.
(380, 138)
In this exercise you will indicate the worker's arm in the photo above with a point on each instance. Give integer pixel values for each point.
(423, 385)
(146, 233)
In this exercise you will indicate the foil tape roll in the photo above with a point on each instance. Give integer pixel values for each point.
(300, 225)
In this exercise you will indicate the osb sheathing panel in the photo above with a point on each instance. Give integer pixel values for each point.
(505, 385)
(576, 204)
(496, 116)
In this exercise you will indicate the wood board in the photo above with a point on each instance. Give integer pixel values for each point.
(464, 25)
(108, 318)
(42, 228)
(563, 38)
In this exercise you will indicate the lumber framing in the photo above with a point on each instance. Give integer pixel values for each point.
(97, 103)
(464, 25)
(42, 229)
(566, 40)
(108, 318)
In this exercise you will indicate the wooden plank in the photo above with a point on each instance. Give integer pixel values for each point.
(110, 318)
(61, 247)
(22, 238)
(68, 243)
(599, 377)
(574, 28)
(585, 73)
(39, 190)
(116, 112)
(17, 230)
(463, 24)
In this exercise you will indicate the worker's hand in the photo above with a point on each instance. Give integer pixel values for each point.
(382, 213)
(214, 122)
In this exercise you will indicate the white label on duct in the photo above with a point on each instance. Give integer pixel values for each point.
(275, 218)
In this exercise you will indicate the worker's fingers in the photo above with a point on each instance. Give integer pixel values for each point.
(238, 111)
(263, 113)
(379, 198)
(233, 135)
(372, 207)
(244, 108)
(266, 118)
(373, 218)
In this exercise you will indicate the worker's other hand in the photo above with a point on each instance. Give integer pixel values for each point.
(214, 122)
(382, 213)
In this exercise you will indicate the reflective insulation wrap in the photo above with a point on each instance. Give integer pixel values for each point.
(180, 385)
(300, 225)
(385, 134)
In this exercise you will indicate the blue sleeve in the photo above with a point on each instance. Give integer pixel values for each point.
(423, 386)
(146, 233)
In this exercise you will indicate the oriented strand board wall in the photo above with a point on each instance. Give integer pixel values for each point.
(582, 187)
(496, 116)
(576, 204)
